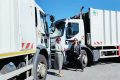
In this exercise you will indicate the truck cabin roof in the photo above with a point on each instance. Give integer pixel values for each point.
(61, 21)
(78, 16)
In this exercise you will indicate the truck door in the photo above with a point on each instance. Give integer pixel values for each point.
(75, 29)
(72, 30)
(41, 28)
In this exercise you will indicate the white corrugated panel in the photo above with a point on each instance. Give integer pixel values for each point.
(27, 23)
(4, 26)
(105, 26)
(107, 40)
(118, 26)
(16, 34)
(8, 23)
(113, 28)
(17, 24)
(96, 23)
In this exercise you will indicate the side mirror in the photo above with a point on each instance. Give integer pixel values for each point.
(79, 42)
(52, 18)
(69, 24)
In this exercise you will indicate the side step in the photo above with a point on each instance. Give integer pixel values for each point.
(109, 53)
(16, 72)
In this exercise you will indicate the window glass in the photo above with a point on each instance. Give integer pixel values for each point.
(72, 30)
(44, 24)
(58, 30)
(36, 20)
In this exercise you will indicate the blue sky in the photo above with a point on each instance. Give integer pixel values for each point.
(66, 8)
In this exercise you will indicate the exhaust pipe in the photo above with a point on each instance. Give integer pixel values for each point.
(81, 9)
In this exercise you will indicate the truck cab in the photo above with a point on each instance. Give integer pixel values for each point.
(67, 30)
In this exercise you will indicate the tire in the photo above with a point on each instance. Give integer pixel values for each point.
(20, 65)
(84, 58)
(40, 67)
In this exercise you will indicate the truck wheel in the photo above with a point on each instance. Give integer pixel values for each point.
(40, 67)
(84, 58)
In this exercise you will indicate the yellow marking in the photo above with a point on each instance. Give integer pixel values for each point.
(12, 54)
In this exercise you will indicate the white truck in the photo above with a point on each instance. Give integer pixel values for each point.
(97, 30)
(24, 41)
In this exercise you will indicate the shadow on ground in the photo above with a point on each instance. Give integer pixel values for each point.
(52, 73)
(107, 61)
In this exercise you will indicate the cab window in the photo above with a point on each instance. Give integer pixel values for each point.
(36, 20)
(44, 22)
(72, 30)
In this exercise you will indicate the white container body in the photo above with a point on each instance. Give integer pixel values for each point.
(104, 27)
(17, 25)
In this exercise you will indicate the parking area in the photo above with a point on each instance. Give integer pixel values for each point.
(103, 70)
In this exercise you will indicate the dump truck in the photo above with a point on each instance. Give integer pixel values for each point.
(24, 40)
(97, 30)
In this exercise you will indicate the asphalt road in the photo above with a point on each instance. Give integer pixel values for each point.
(105, 70)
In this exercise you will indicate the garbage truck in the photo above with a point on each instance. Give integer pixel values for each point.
(98, 32)
(24, 41)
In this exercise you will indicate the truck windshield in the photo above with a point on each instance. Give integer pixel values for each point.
(58, 29)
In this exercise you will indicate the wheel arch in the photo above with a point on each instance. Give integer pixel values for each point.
(42, 50)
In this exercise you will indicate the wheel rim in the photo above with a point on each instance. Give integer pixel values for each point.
(41, 69)
(85, 59)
